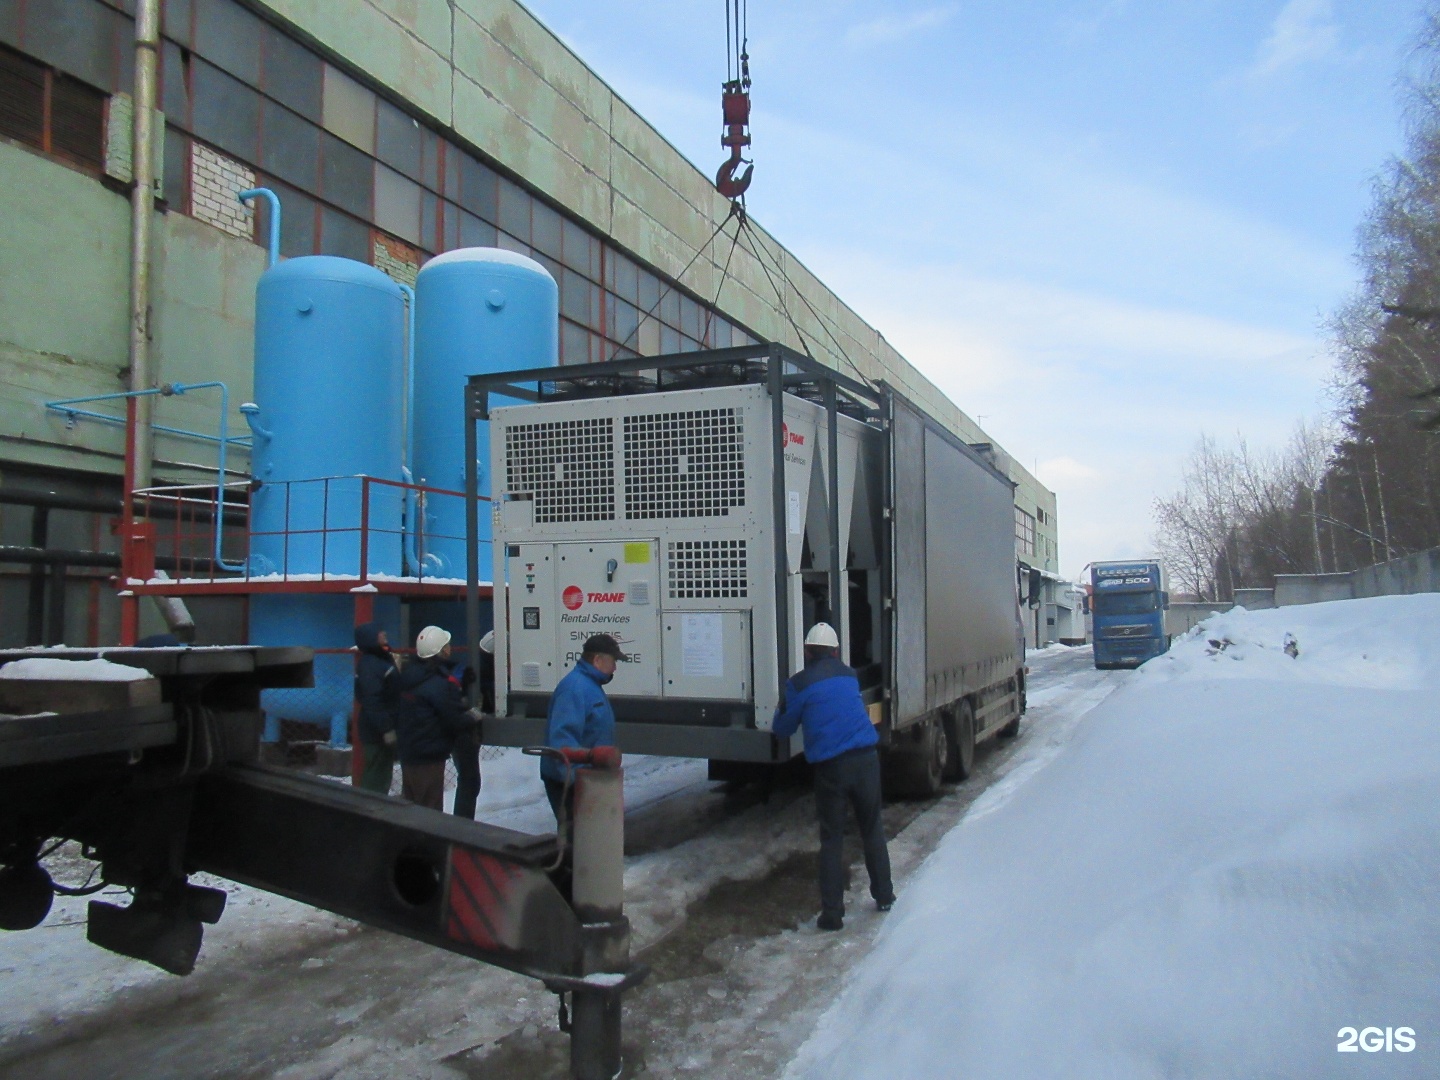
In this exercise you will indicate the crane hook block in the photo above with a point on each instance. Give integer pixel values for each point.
(735, 108)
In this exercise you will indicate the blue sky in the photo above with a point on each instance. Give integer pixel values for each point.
(1104, 227)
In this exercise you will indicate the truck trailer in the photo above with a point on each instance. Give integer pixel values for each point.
(705, 509)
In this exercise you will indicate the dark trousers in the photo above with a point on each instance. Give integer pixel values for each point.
(423, 783)
(851, 779)
(467, 772)
(378, 768)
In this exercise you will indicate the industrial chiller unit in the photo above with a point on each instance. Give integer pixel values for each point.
(705, 508)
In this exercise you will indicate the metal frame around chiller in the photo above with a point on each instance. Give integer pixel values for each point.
(779, 368)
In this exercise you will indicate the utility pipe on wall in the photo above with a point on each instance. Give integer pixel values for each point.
(141, 450)
(273, 245)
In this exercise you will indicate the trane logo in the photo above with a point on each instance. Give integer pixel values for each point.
(790, 438)
(573, 597)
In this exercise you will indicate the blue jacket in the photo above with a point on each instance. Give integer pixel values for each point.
(824, 699)
(376, 689)
(580, 715)
(432, 712)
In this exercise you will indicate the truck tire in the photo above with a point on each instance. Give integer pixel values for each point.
(960, 743)
(1010, 730)
(916, 764)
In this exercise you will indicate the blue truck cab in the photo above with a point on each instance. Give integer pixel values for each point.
(1127, 607)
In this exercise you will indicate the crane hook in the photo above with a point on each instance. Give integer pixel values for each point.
(735, 106)
(727, 183)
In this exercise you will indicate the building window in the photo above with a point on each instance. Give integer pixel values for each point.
(52, 112)
(1024, 532)
(357, 175)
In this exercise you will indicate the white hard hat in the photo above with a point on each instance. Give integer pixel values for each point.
(823, 634)
(431, 640)
(487, 643)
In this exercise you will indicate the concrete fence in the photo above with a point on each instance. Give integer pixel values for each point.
(1416, 573)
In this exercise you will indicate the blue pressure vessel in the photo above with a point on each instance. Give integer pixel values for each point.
(329, 408)
(477, 310)
(330, 386)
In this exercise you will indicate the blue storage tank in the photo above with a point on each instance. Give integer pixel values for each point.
(477, 310)
(330, 387)
(329, 393)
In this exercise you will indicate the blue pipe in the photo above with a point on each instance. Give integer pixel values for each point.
(90, 414)
(66, 407)
(274, 200)
(412, 501)
(251, 412)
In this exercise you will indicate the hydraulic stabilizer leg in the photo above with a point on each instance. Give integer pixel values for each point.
(597, 861)
(599, 897)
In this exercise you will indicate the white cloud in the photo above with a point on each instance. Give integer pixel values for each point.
(889, 28)
(1101, 398)
(1304, 30)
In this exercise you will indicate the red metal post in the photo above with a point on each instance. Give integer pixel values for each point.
(364, 529)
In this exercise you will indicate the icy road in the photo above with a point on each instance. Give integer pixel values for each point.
(719, 886)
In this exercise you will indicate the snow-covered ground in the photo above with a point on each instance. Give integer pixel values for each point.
(1234, 860)
(720, 890)
(52, 972)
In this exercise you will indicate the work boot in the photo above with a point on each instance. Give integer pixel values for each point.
(884, 905)
(827, 921)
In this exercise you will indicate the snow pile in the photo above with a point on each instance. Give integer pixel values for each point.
(1384, 641)
(1233, 859)
(50, 668)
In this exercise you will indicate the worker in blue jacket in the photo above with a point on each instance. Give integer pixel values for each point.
(580, 715)
(823, 699)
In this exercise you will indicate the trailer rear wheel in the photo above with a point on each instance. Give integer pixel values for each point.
(915, 764)
(960, 743)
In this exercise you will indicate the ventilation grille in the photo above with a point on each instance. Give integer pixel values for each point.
(567, 465)
(707, 570)
(684, 464)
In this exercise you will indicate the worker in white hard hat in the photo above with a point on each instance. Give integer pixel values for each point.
(486, 682)
(824, 701)
(434, 725)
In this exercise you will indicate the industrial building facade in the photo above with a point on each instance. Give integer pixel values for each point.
(391, 132)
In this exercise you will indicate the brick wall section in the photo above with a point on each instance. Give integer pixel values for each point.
(215, 181)
(398, 259)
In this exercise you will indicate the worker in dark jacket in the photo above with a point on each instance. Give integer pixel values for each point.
(840, 741)
(432, 715)
(377, 695)
(580, 715)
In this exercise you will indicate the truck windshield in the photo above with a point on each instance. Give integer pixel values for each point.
(1127, 603)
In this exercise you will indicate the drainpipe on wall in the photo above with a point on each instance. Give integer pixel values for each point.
(142, 210)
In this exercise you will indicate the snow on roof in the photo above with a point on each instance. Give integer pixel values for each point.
(46, 667)
(1231, 861)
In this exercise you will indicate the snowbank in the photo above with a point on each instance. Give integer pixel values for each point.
(46, 667)
(1383, 641)
(1234, 859)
